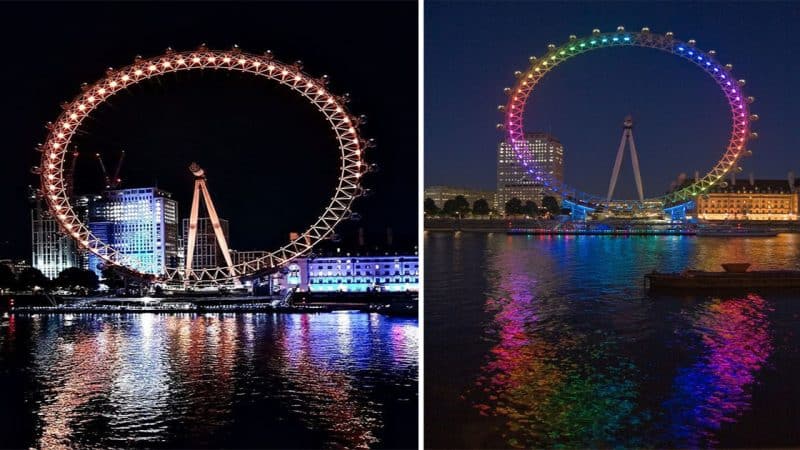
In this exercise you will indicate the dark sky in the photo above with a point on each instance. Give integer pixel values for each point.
(681, 118)
(270, 157)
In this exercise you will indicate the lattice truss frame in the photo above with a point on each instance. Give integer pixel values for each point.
(738, 102)
(55, 150)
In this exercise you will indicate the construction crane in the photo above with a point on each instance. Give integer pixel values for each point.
(112, 182)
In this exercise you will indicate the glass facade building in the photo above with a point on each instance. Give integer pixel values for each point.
(140, 223)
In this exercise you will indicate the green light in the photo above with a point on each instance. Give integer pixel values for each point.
(572, 49)
(605, 40)
(583, 44)
(563, 52)
(593, 42)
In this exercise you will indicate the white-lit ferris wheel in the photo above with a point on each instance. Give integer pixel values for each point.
(55, 185)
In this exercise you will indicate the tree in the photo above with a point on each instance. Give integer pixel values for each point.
(551, 204)
(530, 209)
(32, 278)
(430, 207)
(112, 278)
(456, 206)
(480, 207)
(513, 207)
(7, 278)
(74, 278)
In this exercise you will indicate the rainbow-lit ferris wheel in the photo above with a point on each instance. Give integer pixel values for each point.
(55, 185)
(731, 88)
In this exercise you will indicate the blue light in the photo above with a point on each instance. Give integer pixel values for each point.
(627, 38)
(691, 53)
(615, 39)
(605, 39)
(699, 58)
(680, 49)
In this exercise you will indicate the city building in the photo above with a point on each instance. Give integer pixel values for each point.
(441, 194)
(399, 273)
(141, 224)
(207, 253)
(541, 150)
(751, 200)
(52, 250)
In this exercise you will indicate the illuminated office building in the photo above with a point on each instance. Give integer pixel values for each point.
(540, 150)
(141, 224)
(52, 250)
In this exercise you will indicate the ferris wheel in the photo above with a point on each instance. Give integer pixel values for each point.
(55, 174)
(731, 88)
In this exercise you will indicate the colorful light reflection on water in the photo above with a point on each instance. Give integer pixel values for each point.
(574, 353)
(250, 380)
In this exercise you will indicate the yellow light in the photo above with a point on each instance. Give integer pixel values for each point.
(152, 67)
(242, 61)
(181, 61)
(113, 84)
(51, 177)
(271, 67)
(66, 126)
(137, 72)
(346, 120)
(196, 59)
(166, 64)
(320, 92)
(55, 197)
(284, 72)
(211, 59)
(101, 91)
(91, 99)
(339, 109)
(226, 60)
(60, 135)
(258, 64)
(51, 166)
(73, 116)
(81, 107)
(56, 145)
(125, 78)
(68, 226)
(309, 84)
(52, 187)
(53, 156)
(297, 78)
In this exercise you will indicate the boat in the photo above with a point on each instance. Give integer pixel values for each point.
(735, 276)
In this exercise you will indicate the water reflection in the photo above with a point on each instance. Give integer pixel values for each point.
(733, 341)
(186, 380)
(580, 356)
(551, 382)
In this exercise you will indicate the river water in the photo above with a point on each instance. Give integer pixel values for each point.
(336, 380)
(553, 341)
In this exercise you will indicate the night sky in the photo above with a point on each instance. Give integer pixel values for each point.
(681, 118)
(270, 157)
